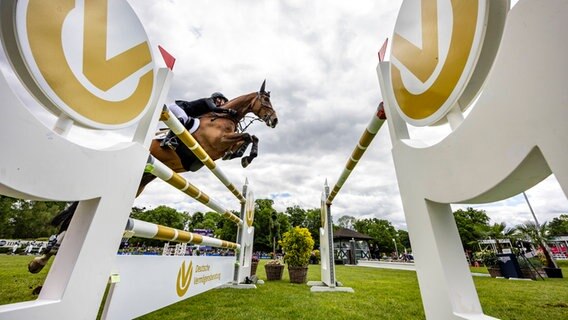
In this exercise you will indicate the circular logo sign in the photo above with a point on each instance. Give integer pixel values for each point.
(435, 47)
(90, 59)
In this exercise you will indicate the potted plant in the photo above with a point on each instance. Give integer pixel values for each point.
(253, 265)
(491, 262)
(274, 269)
(297, 245)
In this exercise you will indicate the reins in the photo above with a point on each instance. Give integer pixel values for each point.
(241, 125)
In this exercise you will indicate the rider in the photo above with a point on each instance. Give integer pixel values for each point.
(184, 110)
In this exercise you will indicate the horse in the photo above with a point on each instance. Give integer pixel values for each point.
(220, 135)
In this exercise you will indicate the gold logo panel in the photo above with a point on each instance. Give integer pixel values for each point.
(184, 279)
(423, 63)
(44, 25)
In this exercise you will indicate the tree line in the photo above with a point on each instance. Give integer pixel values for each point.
(474, 225)
(26, 219)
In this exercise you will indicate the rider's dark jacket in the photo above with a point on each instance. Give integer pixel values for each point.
(199, 107)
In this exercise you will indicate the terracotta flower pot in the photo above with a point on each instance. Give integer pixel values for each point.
(298, 274)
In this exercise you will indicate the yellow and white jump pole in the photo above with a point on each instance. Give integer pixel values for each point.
(160, 170)
(177, 127)
(364, 141)
(147, 230)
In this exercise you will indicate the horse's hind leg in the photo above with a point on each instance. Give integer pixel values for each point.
(245, 161)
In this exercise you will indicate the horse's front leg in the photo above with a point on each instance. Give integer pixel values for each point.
(239, 141)
(37, 264)
(245, 161)
(236, 151)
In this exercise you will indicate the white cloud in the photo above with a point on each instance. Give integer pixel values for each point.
(319, 59)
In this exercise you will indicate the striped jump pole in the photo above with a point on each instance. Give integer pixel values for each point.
(328, 281)
(147, 230)
(160, 170)
(366, 138)
(177, 127)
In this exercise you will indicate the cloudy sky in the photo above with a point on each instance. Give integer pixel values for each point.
(319, 59)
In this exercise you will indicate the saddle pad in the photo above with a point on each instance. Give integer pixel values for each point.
(192, 125)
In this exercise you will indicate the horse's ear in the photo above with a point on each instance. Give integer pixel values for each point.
(263, 85)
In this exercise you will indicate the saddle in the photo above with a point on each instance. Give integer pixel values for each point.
(169, 140)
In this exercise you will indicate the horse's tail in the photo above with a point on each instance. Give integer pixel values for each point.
(64, 217)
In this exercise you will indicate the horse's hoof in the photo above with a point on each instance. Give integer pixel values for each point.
(36, 265)
(245, 162)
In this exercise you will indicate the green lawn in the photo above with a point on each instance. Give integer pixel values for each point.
(379, 293)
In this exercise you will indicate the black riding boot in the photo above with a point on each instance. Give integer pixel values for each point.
(170, 141)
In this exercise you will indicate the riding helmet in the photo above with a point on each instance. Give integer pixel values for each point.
(219, 95)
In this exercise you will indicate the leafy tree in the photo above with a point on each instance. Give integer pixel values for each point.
(274, 230)
(382, 232)
(31, 219)
(297, 216)
(227, 230)
(404, 238)
(313, 223)
(6, 217)
(539, 236)
(262, 216)
(161, 215)
(212, 221)
(471, 225)
(196, 221)
(283, 222)
(498, 231)
(346, 222)
(559, 226)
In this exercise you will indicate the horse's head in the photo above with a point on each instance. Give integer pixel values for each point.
(262, 107)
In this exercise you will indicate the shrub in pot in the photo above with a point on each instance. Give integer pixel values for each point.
(491, 262)
(297, 245)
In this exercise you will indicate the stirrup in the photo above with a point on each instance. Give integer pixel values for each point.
(171, 143)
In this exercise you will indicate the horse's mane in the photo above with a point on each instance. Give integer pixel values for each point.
(237, 102)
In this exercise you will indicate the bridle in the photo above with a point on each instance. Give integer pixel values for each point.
(242, 125)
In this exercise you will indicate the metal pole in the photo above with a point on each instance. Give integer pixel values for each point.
(542, 242)
(532, 211)
(395, 248)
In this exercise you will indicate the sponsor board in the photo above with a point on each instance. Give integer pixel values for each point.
(152, 282)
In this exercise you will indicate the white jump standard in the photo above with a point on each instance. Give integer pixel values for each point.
(500, 62)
